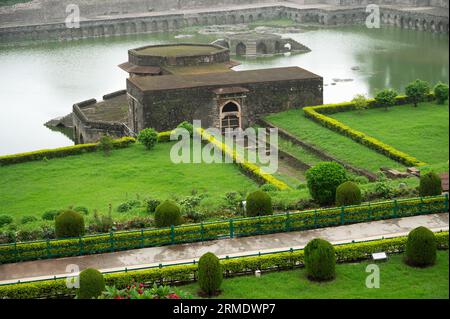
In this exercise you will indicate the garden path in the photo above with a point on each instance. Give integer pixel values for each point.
(147, 257)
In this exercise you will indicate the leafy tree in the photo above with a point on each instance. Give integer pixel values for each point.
(360, 102)
(441, 92)
(386, 98)
(148, 137)
(106, 144)
(323, 180)
(417, 91)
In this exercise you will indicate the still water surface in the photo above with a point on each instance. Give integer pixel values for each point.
(40, 81)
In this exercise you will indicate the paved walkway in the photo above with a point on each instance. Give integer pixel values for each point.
(139, 258)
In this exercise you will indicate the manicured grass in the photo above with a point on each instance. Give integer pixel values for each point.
(419, 131)
(95, 181)
(179, 50)
(331, 142)
(396, 281)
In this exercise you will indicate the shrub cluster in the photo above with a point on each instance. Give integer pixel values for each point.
(323, 179)
(320, 260)
(92, 284)
(148, 137)
(210, 274)
(167, 214)
(417, 91)
(348, 194)
(430, 184)
(69, 224)
(441, 92)
(5, 220)
(421, 247)
(259, 203)
(50, 214)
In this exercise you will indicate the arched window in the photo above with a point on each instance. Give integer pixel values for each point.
(230, 107)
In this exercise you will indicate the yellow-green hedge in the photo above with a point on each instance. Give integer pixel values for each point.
(316, 113)
(312, 219)
(250, 168)
(353, 252)
(61, 152)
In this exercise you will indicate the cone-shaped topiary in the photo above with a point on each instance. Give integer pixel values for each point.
(69, 224)
(320, 260)
(92, 284)
(430, 185)
(210, 274)
(323, 179)
(421, 247)
(167, 214)
(259, 203)
(347, 194)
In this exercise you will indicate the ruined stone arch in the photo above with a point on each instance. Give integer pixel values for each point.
(277, 47)
(143, 27)
(250, 18)
(215, 20)
(322, 19)
(261, 48)
(440, 27)
(242, 19)
(154, 26)
(122, 28)
(205, 21)
(195, 22)
(230, 115)
(424, 25)
(165, 25)
(432, 26)
(241, 49)
(222, 20)
(133, 28)
(110, 30)
(417, 25)
(232, 19)
(175, 24)
(260, 16)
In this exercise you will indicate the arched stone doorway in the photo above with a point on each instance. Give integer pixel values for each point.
(230, 116)
(241, 49)
(261, 48)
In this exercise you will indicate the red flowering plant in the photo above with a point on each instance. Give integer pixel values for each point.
(139, 291)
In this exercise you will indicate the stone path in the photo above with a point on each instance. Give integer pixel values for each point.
(139, 258)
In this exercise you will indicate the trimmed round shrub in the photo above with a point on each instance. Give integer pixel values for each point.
(259, 203)
(69, 224)
(320, 260)
(92, 284)
(323, 180)
(348, 194)
(417, 91)
(5, 220)
(421, 247)
(430, 185)
(210, 274)
(167, 214)
(441, 92)
(148, 137)
(50, 215)
(27, 219)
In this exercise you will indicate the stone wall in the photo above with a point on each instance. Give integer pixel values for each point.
(164, 110)
(50, 11)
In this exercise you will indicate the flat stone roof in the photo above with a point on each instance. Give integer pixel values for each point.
(173, 82)
(177, 50)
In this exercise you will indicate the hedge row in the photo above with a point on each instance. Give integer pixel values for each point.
(249, 168)
(211, 231)
(61, 152)
(353, 252)
(316, 113)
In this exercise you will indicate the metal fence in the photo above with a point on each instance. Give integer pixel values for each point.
(239, 227)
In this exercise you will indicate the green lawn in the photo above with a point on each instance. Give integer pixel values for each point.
(331, 142)
(94, 181)
(396, 281)
(421, 132)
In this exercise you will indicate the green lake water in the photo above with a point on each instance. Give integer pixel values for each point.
(40, 81)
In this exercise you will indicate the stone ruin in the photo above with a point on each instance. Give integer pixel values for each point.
(258, 44)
